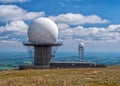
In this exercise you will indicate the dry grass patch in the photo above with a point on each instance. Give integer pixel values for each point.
(109, 76)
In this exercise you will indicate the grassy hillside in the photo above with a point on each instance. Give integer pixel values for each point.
(109, 76)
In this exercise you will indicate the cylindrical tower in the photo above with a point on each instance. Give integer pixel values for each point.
(81, 52)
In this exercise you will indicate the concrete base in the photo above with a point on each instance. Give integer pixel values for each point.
(41, 67)
(64, 65)
(76, 65)
(22, 67)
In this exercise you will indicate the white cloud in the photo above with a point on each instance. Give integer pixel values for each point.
(91, 34)
(13, 12)
(114, 27)
(62, 25)
(77, 19)
(16, 26)
(7, 41)
(13, 31)
(10, 1)
(32, 15)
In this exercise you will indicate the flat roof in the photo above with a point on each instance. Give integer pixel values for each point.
(73, 62)
(42, 44)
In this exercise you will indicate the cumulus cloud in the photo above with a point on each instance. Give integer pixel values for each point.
(13, 31)
(13, 12)
(10, 1)
(18, 26)
(91, 34)
(77, 19)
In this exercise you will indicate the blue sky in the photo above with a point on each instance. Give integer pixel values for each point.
(94, 22)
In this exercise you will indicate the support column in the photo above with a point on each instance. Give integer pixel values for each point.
(42, 56)
(81, 54)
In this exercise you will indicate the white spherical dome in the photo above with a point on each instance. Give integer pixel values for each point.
(43, 30)
(81, 44)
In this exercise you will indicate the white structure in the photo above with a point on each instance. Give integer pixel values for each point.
(81, 51)
(42, 34)
(43, 30)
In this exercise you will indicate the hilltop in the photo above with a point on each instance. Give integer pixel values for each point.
(109, 76)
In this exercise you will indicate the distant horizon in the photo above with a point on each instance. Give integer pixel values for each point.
(75, 52)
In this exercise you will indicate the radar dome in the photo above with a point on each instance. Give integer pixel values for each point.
(81, 44)
(43, 30)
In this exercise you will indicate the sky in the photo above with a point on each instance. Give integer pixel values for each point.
(96, 23)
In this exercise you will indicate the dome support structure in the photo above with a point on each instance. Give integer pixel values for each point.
(42, 54)
(81, 52)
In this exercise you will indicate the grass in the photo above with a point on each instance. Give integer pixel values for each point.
(109, 76)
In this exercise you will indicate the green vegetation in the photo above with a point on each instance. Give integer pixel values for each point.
(109, 76)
